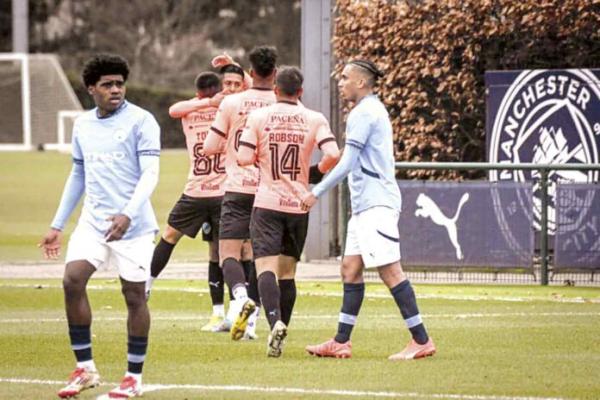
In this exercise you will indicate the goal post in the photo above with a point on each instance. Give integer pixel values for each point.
(15, 117)
(41, 103)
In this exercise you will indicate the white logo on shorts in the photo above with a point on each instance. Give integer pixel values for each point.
(427, 208)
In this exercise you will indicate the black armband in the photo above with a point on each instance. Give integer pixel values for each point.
(314, 175)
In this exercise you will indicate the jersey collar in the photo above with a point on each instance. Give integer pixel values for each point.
(117, 111)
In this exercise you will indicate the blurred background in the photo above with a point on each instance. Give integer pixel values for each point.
(167, 43)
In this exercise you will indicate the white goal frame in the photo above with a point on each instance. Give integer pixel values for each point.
(25, 104)
(27, 142)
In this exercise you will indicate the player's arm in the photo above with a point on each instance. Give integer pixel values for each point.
(72, 192)
(330, 152)
(358, 133)
(148, 152)
(224, 60)
(248, 141)
(183, 108)
(217, 135)
(331, 155)
(337, 174)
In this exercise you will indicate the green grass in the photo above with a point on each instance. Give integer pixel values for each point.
(31, 184)
(543, 346)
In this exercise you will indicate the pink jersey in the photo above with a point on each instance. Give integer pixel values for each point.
(284, 136)
(207, 174)
(229, 123)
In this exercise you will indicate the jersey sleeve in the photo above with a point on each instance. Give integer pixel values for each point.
(358, 129)
(148, 137)
(76, 151)
(221, 123)
(323, 134)
(249, 137)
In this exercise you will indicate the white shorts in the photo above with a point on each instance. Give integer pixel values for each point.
(131, 257)
(373, 235)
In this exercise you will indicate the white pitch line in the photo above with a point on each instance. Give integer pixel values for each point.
(296, 390)
(434, 296)
(326, 316)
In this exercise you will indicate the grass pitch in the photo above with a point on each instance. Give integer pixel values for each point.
(31, 184)
(493, 342)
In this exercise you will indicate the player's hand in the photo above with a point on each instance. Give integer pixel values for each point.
(308, 201)
(120, 224)
(222, 60)
(50, 244)
(216, 100)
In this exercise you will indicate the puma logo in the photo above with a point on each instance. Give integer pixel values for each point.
(273, 313)
(428, 209)
(215, 284)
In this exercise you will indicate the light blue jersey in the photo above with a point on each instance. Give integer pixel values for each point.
(111, 151)
(368, 158)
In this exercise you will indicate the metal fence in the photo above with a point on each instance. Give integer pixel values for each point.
(542, 268)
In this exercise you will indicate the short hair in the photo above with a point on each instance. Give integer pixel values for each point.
(369, 68)
(207, 80)
(263, 60)
(104, 64)
(232, 69)
(289, 80)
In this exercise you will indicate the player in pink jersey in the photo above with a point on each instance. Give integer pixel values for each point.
(200, 203)
(281, 138)
(241, 184)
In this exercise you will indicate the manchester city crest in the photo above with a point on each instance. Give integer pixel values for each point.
(120, 135)
(544, 117)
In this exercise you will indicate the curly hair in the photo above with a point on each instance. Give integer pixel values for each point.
(263, 60)
(104, 64)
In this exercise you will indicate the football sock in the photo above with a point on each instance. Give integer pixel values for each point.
(230, 293)
(136, 353)
(287, 299)
(233, 273)
(269, 293)
(405, 298)
(160, 258)
(353, 298)
(218, 309)
(149, 283)
(81, 343)
(215, 282)
(250, 273)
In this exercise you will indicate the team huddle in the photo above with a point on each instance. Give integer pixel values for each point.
(250, 143)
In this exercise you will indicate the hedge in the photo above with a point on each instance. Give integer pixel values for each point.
(435, 53)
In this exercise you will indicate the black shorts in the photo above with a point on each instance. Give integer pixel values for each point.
(235, 216)
(190, 213)
(276, 232)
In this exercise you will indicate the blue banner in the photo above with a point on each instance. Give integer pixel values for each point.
(466, 224)
(543, 116)
(577, 239)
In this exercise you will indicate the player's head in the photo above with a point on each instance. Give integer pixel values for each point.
(105, 75)
(263, 60)
(288, 82)
(358, 79)
(207, 84)
(233, 78)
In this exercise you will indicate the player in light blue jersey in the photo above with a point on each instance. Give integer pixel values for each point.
(372, 237)
(116, 148)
